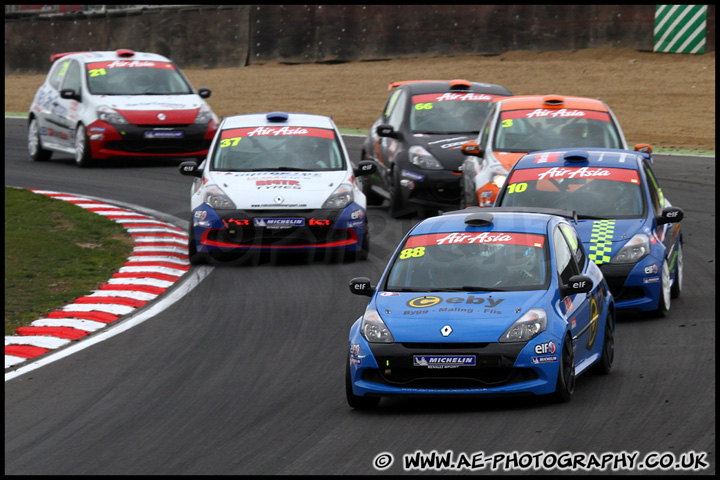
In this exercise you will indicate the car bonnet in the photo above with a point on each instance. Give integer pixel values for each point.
(604, 238)
(454, 316)
(154, 109)
(278, 189)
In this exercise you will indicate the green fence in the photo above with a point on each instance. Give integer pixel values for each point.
(680, 28)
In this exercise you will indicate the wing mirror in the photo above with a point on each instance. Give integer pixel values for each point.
(577, 284)
(361, 286)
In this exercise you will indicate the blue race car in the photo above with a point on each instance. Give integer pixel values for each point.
(628, 226)
(482, 302)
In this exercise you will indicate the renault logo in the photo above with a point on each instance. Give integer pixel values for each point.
(279, 199)
(161, 116)
(446, 330)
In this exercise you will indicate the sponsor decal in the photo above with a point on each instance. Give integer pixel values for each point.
(651, 270)
(547, 348)
(594, 314)
(453, 97)
(545, 359)
(556, 113)
(483, 237)
(128, 64)
(428, 301)
(616, 174)
(277, 131)
(412, 175)
(651, 280)
(163, 134)
(444, 361)
(277, 183)
(279, 222)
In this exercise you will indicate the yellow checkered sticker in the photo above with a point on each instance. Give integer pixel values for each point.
(601, 241)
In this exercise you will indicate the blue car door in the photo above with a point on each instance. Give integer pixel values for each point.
(578, 308)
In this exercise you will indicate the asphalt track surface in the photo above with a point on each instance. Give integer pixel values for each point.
(244, 374)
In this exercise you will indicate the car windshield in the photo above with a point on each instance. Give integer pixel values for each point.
(449, 112)
(541, 129)
(463, 261)
(278, 148)
(135, 78)
(593, 192)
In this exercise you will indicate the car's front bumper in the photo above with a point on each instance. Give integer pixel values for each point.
(182, 141)
(285, 229)
(431, 188)
(635, 286)
(499, 369)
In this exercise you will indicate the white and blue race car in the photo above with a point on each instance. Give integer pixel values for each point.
(277, 182)
(482, 302)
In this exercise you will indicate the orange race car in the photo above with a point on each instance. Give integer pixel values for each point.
(522, 124)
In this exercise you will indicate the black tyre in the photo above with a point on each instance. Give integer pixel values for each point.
(665, 292)
(194, 257)
(355, 401)
(676, 288)
(397, 205)
(35, 149)
(83, 158)
(565, 386)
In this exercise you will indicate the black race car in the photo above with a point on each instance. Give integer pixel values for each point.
(416, 143)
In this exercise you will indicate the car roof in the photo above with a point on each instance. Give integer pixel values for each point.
(601, 157)
(551, 101)
(104, 56)
(277, 119)
(501, 219)
(459, 86)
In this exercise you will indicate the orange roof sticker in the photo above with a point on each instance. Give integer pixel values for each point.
(539, 101)
(457, 82)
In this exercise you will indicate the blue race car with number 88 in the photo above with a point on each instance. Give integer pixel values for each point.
(482, 302)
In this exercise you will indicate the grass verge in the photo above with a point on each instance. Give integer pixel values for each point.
(55, 252)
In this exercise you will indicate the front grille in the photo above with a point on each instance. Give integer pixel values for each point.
(494, 366)
(159, 146)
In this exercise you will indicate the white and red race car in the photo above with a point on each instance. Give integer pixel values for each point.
(100, 105)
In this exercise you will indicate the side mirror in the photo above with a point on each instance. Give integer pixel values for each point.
(472, 149)
(670, 215)
(71, 94)
(365, 167)
(361, 286)
(385, 130)
(190, 168)
(643, 148)
(577, 284)
(204, 92)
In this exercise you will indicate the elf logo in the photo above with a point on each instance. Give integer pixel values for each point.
(547, 348)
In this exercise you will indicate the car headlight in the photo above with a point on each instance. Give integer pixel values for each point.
(527, 327)
(107, 114)
(341, 197)
(421, 158)
(217, 199)
(373, 328)
(637, 248)
(204, 115)
(498, 175)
